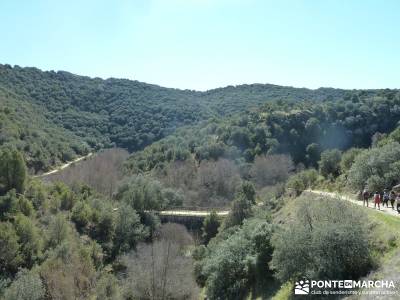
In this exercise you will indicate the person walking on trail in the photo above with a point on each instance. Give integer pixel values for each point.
(365, 196)
(398, 203)
(392, 198)
(385, 198)
(377, 200)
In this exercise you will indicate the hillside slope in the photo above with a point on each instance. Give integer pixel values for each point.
(96, 113)
(132, 114)
(301, 129)
(24, 126)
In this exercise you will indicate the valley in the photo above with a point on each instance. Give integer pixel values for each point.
(217, 190)
(199, 150)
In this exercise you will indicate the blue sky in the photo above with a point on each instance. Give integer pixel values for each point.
(203, 44)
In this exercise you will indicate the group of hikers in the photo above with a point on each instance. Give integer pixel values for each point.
(383, 197)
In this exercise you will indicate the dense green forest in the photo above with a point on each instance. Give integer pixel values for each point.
(24, 125)
(99, 113)
(301, 129)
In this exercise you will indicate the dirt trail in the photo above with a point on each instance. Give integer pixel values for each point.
(355, 201)
(62, 167)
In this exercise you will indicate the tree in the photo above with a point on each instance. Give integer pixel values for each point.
(68, 273)
(241, 206)
(348, 158)
(81, 215)
(27, 286)
(271, 169)
(8, 205)
(128, 230)
(30, 240)
(378, 167)
(313, 128)
(101, 171)
(217, 179)
(107, 288)
(12, 171)
(10, 255)
(142, 194)
(36, 193)
(313, 154)
(152, 271)
(105, 227)
(248, 192)
(330, 163)
(210, 227)
(67, 198)
(58, 230)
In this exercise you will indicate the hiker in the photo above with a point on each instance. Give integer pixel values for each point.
(385, 198)
(398, 203)
(392, 197)
(377, 200)
(365, 196)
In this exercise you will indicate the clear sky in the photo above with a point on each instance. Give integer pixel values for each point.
(203, 44)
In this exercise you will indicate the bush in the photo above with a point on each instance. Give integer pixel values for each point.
(327, 239)
(302, 180)
(232, 264)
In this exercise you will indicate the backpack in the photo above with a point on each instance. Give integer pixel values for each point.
(386, 196)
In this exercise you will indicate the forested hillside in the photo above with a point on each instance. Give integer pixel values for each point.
(24, 125)
(301, 129)
(97, 113)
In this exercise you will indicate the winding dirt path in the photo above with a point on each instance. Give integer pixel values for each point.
(62, 167)
(387, 210)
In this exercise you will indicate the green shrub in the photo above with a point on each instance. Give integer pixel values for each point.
(231, 265)
(302, 180)
(327, 239)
